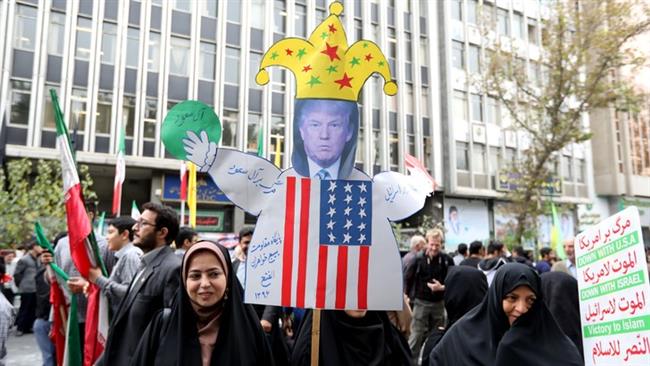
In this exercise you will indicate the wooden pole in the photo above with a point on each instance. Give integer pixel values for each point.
(315, 337)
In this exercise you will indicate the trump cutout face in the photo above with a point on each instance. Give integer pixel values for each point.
(325, 132)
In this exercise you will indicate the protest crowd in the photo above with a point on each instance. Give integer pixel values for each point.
(185, 306)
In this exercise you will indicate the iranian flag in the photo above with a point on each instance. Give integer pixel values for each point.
(120, 173)
(79, 229)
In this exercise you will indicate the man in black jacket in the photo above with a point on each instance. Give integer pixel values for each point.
(425, 285)
(152, 288)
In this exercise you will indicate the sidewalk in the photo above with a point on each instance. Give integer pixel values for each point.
(22, 351)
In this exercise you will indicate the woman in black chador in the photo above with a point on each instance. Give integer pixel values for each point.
(512, 326)
(208, 324)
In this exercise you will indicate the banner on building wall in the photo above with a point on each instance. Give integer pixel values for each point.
(207, 191)
(465, 221)
(592, 213)
(613, 291)
(643, 205)
(507, 181)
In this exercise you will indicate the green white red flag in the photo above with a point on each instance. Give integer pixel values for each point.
(120, 174)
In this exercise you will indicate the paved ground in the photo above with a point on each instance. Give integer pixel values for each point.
(22, 351)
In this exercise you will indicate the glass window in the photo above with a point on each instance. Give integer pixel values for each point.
(78, 110)
(478, 159)
(457, 9)
(232, 65)
(154, 52)
(183, 5)
(103, 116)
(234, 11)
(511, 154)
(209, 8)
(532, 31)
(25, 27)
(472, 6)
(503, 22)
(580, 172)
(257, 14)
(394, 152)
(48, 110)
(150, 109)
(518, 25)
(179, 56)
(495, 160)
(255, 59)
(477, 107)
(301, 21)
(474, 58)
(20, 98)
(493, 111)
(487, 14)
(83, 38)
(458, 55)
(56, 34)
(207, 60)
(567, 168)
(277, 139)
(462, 156)
(279, 15)
(252, 129)
(460, 106)
(132, 47)
(229, 134)
(108, 40)
(128, 115)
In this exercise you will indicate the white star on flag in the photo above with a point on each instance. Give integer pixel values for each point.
(348, 199)
(330, 225)
(347, 211)
(346, 238)
(332, 237)
(332, 199)
(362, 237)
(362, 201)
(332, 186)
(362, 187)
(361, 226)
(348, 188)
(331, 212)
(362, 213)
(348, 224)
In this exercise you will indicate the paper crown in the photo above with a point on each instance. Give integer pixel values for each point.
(324, 66)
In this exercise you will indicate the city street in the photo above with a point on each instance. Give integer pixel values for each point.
(22, 351)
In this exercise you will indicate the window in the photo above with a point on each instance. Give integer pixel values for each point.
(457, 9)
(78, 110)
(83, 38)
(108, 40)
(234, 11)
(48, 110)
(487, 14)
(474, 59)
(477, 107)
(534, 72)
(301, 21)
(20, 98)
(478, 159)
(132, 47)
(458, 55)
(25, 28)
(253, 129)
(493, 111)
(460, 106)
(179, 56)
(567, 168)
(56, 34)
(257, 14)
(183, 5)
(511, 155)
(279, 16)
(150, 109)
(209, 8)
(518, 25)
(503, 22)
(229, 134)
(472, 6)
(462, 156)
(153, 58)
(128, 115)
(495, 160)
(103, 116)
(532, 31)
(207, 60)
(276, 145)
(254, 62)
(580, 171)
(232, 65)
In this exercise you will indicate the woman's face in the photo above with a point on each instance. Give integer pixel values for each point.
(517, 302)
(206, 279)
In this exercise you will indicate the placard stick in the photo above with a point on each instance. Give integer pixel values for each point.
(315, 337)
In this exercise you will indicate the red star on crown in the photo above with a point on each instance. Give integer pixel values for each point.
(330, 52)
(369, 57)
(289, 52)
(344, 81)
(331, 28)
(306, 68)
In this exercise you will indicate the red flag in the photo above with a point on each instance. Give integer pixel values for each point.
(96, 325)
(60, 321)
(183, 182)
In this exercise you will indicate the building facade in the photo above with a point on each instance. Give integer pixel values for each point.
(122, 64)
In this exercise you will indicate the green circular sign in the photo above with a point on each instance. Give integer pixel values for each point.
(190, 115)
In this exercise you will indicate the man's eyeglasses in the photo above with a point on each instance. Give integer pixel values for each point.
(141, 223)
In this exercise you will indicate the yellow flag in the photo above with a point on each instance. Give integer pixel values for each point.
(278, 151)
(191, 193)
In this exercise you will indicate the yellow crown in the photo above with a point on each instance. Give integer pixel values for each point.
(324, 66)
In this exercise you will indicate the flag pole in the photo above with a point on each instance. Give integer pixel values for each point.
(315, 337)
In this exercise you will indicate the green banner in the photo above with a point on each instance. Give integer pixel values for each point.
(638, 324)
(627, 281)
(614, 247)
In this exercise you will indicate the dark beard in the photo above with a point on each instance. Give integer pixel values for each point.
(147, 243)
